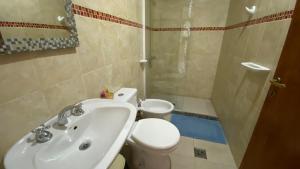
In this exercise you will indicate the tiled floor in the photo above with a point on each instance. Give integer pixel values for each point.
(218, 155)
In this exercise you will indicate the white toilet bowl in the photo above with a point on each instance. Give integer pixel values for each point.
(150, 108)
(156, 108)
(151, 141)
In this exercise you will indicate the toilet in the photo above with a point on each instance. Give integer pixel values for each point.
(150, 108)
(156, 108)
(151, 140)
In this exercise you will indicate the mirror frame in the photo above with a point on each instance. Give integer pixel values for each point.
(16, 45)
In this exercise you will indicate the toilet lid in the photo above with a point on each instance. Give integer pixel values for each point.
(156, 134)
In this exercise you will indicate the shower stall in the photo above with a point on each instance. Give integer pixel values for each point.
(182, 55)
(195, 49)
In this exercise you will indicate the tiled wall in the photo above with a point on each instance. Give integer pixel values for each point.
(239, 94)
(186, 65)
(35, 86)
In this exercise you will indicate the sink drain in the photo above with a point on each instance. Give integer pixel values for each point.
(85, 145)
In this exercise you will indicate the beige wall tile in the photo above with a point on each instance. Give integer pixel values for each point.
(238, 95)
(89, 41)
(56, 66)
(14, 75)
(128, 9)
(292, 4)
(209, 12)
(20, 116)
(65, 93)
(97, 80)
(184, 66)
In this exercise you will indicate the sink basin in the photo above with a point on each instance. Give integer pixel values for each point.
(89, 141)
(156, 107)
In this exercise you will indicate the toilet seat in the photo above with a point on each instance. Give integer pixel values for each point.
(155, 134)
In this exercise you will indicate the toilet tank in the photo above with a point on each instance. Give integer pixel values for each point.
(128, 95)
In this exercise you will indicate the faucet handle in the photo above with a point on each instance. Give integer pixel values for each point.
(42, 127)
(45, 126)
(41, 134)
(77, 110)
(140, 102)
(79, 105)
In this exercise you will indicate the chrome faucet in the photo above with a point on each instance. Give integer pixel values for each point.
(139, 103)
(41, 134)
(75, 110)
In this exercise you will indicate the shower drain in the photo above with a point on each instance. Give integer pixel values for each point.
(85, 145)
(200, 153)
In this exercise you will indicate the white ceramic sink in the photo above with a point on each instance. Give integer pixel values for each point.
(156, 106)
(104, 126)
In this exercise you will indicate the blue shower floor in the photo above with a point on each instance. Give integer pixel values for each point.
(199, 128)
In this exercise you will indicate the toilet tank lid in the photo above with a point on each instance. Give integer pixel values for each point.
(125, 94)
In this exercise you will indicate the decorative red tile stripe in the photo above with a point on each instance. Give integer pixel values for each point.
(265, 19)
(30, 25)
(192, 29)
(83, 11)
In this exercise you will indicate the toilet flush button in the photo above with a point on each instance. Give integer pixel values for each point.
(121, 94)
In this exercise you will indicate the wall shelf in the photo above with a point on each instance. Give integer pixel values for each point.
(255, 67)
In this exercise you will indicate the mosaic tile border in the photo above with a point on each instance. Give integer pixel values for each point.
(87, 12)
(16, 45)
(30, 25)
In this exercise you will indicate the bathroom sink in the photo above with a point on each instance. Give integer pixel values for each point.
(89, 141)
(156, 106)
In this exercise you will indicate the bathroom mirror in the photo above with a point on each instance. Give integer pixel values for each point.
(32, 25)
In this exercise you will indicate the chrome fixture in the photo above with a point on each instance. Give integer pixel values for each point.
(75, 110)
(150, 59)
(251, 10)
(41, 134)
(277, 82)
(139, 103)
